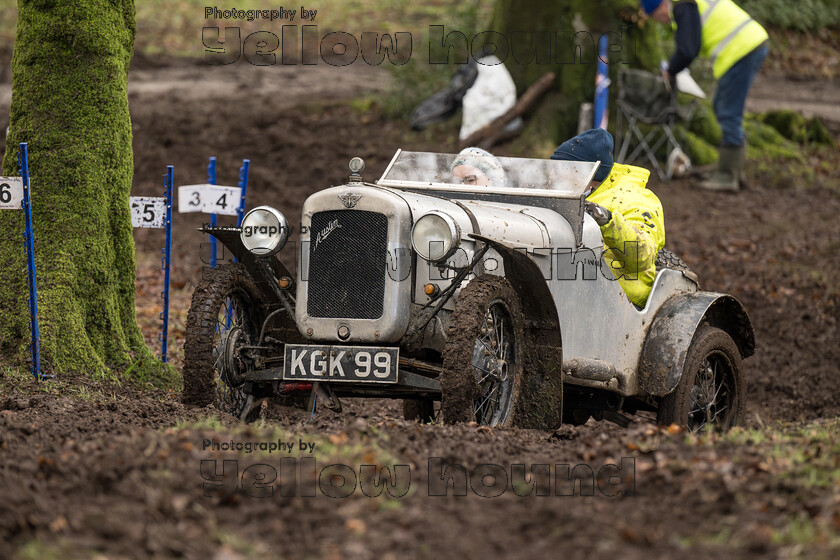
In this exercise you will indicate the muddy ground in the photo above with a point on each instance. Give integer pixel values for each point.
(114, 470)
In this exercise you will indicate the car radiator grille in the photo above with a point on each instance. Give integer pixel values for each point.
(348, 253)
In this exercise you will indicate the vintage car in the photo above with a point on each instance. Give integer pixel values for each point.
(493, 300)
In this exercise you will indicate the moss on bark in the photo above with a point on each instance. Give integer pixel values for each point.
(70, 103)
(573, 57)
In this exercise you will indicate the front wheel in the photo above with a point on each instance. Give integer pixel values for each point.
(482, 361)
(223, 317)
(711, 390)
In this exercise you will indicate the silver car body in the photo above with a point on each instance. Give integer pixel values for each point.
(538, 215)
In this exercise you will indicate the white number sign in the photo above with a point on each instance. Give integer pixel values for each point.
(209, 199)
(11, 192)
(148, 211)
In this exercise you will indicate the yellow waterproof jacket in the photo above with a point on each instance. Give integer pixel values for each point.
(636, 232)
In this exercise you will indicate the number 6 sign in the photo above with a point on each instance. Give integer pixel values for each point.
(15, 194)
(11, 192)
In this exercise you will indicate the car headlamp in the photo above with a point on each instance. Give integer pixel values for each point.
(264, 231)
(435, 236)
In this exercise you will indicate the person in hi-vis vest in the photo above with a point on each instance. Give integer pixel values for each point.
(737, 46)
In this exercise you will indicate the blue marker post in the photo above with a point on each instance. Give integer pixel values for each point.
(168, 181)
(602, 84)
(211, 178)
(29, 248)
(243, 184)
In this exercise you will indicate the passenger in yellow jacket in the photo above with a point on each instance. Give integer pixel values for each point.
(631, 217)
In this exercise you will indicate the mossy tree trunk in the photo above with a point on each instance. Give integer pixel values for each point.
(572, 23)
(70, 103)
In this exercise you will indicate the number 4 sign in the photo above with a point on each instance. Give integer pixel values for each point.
(11, 193)
(209, 199)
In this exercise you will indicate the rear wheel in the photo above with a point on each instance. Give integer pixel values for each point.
(223, 317)
(482, 362)
(711, 390)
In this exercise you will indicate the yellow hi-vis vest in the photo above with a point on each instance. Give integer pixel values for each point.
(729, 34)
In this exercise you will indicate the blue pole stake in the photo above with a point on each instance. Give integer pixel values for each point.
(165, 262)
(243, 184)
(602, 84)
(23, 162)
(211, 178)
(240, 211)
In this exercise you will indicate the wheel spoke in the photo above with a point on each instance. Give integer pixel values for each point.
(717, 412)
(480, 406)
(490, 350)
(719, 387)
(495, 324)
(501, 338)
(488, 372)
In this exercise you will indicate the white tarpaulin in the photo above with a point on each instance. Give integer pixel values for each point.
(492, 95)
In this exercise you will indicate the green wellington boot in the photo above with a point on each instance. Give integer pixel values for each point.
(728, 172)
(742, 160)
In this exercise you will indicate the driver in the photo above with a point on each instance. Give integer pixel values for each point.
(474, 166)
(631, 217)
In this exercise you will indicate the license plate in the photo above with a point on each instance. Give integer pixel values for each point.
(350, 364)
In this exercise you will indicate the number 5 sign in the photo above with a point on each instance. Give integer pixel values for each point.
(156, 212)
(148, 211)
(209, 199)
(11, 193)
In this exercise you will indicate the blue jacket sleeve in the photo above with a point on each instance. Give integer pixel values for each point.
(687, 36)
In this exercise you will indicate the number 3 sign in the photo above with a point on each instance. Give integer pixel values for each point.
(209, 199)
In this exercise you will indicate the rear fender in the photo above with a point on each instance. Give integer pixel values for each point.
(670, 335)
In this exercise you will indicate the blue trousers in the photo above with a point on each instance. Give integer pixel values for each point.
(731, 95)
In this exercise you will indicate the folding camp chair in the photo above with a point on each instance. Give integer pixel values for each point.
(643, 98)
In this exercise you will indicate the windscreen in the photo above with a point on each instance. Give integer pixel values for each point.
(473, 168)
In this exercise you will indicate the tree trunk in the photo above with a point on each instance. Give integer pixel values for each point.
(572, 23)
(70, 103)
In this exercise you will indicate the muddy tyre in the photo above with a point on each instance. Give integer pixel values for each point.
(223, 316)
(483, 359)
(711, 390)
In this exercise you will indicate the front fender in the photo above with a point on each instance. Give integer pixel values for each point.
(229, 237)
(670, 335)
